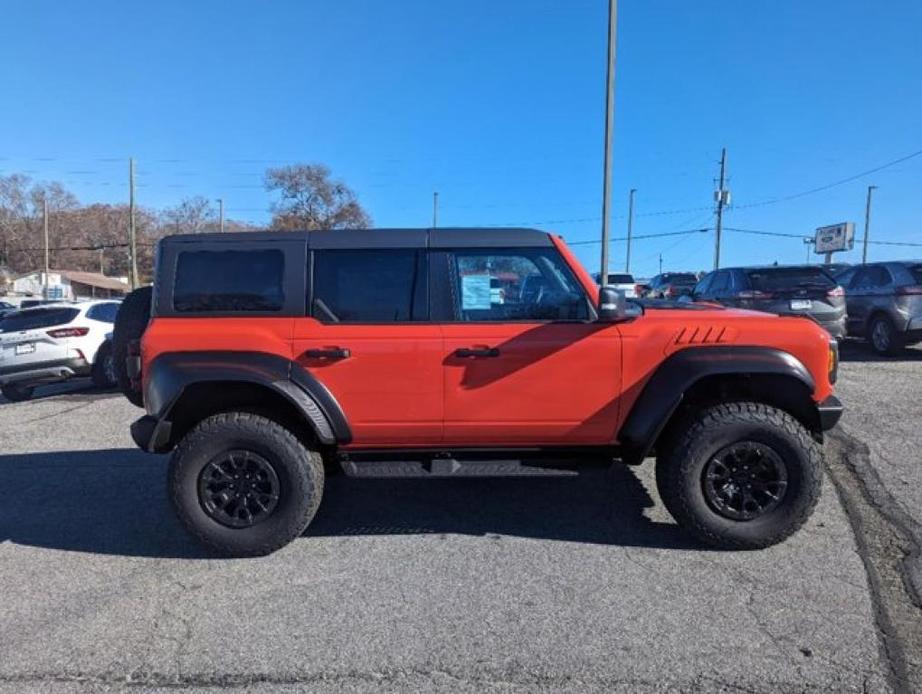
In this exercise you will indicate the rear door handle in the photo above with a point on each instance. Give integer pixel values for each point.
(477, 352)
(327, 353)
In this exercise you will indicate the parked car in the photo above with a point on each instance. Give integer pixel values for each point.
(266, 358)
(670, 285)
(784, 289)
(621, 281)
(884, 304)
(53, 343)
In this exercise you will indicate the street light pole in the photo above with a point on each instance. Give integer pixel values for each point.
(221, 215)
(609, 127)
(630, 228)
(867, 225)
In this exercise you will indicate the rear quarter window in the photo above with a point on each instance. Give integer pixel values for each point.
(33, 319)
(229, 281)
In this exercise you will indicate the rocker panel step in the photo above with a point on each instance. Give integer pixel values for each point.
(450, 467)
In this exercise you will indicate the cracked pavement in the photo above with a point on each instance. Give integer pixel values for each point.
(577, 584)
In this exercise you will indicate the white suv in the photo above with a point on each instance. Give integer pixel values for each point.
(55, 342)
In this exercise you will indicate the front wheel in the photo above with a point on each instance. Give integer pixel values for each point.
(244, 485)
(741, 476)
(103, 371)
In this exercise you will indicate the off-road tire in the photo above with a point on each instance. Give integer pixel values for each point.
(680, 466)
(299, 471)
(99, 374)
(130, 323)
(895, 342)
(15, 393)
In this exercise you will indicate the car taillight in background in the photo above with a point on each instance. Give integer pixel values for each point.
(911, 290)
(833, 364)
(68, 332)
(754, 294)
(836, 291)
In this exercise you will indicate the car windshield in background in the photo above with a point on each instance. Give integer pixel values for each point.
(620, 279)
(32, 319)
(773, 279)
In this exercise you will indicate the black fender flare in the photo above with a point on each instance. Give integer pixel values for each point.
(170, 374)
(665, 389)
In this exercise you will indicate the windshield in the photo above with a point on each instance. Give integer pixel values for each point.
(916, 272)
(31, 319)
(620, 279)
(680, 278)
(773, 279)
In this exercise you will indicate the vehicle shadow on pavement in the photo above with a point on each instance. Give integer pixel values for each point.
(600, 506)
(859, 351)
(114, 502)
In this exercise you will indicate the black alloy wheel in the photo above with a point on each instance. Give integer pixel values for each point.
(744, 480)
(239, 488)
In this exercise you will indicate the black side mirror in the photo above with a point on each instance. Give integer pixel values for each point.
(612, 305)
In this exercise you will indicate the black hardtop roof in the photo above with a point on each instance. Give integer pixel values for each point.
(447, 237)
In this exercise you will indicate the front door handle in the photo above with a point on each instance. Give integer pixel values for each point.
(477, 352)
(327, 353)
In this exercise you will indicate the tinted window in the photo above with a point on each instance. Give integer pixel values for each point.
(369, 286)
(519, 284)
(704, 285)
(916, 272)
(720, 284)
(871, 277)
(37, 318)
(772, 279)
(229, 281)
(680, 278)
(103, 312)
(620, 279)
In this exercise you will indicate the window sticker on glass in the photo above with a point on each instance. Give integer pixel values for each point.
(475, 292)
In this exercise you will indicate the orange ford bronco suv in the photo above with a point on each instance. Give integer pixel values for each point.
(267, 360)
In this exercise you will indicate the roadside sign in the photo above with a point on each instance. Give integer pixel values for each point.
(836, 237)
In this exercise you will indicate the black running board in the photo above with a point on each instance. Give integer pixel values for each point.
(450, 467)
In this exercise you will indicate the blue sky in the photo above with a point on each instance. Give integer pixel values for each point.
(495, 104)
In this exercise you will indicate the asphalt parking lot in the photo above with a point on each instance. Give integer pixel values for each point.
(501, 585)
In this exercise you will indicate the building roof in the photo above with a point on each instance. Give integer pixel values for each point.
(94, 279)
(91, 279)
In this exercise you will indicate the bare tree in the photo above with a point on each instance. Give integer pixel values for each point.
(191, 216)
(309, 199)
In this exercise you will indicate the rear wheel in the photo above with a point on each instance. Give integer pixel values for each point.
(103, 372)
(741, 476)
(883, 336)
(130, 323)
(244, 485)
(15, 393)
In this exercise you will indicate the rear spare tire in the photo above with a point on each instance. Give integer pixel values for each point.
(130, 323)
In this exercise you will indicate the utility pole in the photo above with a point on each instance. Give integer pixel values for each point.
(661, 263)
(867, 225)
(221, 215)
(723, 197)
(807, 243)
(435, 210)
(47, 249)
(609, 127)
(630, 228)
(132, 232)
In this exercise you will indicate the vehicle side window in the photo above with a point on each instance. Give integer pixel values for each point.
(369, 286)
(872, 277)
(103, 312)
(522, 284)
(229, 281)
(845, 278)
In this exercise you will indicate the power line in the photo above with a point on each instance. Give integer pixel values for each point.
(636, 237)
(819, 189)
(762, 232)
